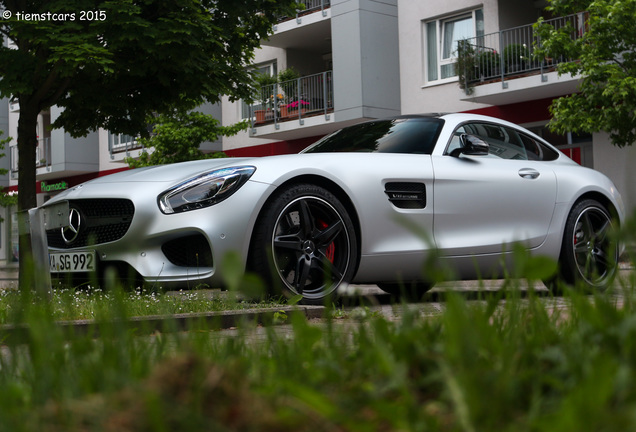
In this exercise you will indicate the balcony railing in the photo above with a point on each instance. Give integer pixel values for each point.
(311, 6)
(510, 53)
(42, 156)
(120, 143)
(43, 153)
(296, 99)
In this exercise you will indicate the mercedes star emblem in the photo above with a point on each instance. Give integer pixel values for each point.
(70, 232)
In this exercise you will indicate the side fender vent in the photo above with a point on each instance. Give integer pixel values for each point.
(406, 195)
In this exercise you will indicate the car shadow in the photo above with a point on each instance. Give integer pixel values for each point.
(368, 296)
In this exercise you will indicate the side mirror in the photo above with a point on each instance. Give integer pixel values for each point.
(471, 146)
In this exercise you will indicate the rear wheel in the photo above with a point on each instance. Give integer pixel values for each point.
(589, 255)
(304, 243)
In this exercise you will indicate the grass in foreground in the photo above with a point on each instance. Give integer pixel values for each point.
(83, 304)
(513, 365)
(479, 366)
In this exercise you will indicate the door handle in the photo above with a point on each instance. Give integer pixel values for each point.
(528, 173)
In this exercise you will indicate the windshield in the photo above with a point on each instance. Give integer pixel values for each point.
(404, 135)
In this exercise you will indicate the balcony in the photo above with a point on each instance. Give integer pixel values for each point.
(43, 153)
(311, 6)
(285, 107)
(42, 157)
(309, 30)
(501, 67)
(121, 147)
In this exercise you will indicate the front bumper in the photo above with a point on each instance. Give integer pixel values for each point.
(174, 250)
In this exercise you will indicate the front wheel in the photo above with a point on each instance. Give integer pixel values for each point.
(589, 255)
(304, 243)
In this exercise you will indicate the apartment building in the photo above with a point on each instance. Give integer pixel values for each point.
(346, 61)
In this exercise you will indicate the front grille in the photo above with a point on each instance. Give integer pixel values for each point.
(101, 221)
(189, 251)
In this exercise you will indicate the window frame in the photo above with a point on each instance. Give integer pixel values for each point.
(433, 50)
(269, 67)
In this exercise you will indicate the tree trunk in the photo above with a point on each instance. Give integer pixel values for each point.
(27, 199)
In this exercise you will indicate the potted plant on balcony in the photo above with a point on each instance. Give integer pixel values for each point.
(288, 83)
(288, 74)
(488, 64)
(265, 90)
(515, 57)
(466, 65)
(294, 107)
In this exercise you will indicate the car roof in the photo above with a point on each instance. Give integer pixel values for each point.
(456, 117)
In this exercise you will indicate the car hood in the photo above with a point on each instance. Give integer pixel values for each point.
(169, 173)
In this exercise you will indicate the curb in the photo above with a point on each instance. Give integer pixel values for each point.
(221, 320)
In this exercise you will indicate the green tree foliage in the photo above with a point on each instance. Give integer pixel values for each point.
(111, 63)
(606, 60)
(176, 138)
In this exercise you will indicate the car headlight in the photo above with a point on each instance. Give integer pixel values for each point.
(204, 190)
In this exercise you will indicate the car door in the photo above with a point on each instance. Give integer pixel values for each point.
(486, 204)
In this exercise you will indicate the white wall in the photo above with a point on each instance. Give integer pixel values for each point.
(73, 154)
(618, 164)
(366, 65)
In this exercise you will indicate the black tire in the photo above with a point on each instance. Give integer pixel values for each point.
(304, 243)
(409, 291)
(589, 254)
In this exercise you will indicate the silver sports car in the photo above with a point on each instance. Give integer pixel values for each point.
(367, 204)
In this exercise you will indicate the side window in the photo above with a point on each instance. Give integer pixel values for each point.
(504, 142)
(536, 150)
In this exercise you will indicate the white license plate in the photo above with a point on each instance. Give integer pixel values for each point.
(70, 262)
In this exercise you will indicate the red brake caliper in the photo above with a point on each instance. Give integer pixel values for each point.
(331, 249)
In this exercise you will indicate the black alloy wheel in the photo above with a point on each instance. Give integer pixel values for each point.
(305, 243)
(589, 253)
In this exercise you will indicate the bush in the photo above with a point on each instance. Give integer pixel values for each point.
(515, 57)
(488, 62)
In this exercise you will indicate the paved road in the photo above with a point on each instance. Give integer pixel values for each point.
(433, 302)
(369, 299)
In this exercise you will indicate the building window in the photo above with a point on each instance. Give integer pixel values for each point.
(441, 37)
(266, 69)
(121, 142)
